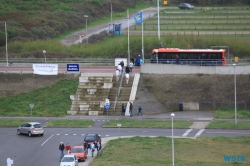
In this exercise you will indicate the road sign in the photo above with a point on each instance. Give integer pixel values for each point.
(31, 105)
(73, 68)
(119, 125)
(107, 106)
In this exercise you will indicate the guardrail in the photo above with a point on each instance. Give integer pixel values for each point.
(87, 61)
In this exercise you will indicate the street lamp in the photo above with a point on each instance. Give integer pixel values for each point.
(111, 11)
(44, 52)
(86, 16)
(172, 115)
(235, 109)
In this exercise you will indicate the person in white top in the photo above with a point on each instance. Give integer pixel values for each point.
(117, 73)
(119, 67)
(131, 66)
(127, 77)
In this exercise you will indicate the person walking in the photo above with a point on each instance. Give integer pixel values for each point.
(61, 148)
(99, 149)
(131, 109)
(131, 64)
(139, 110)
(122, 64)
(119, 67)
(68, 148)
(85, 145)
(123, 110)
(92, 149)
(127, 70)
(117, 73)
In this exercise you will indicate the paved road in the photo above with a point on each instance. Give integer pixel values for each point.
(41, 151)
(74, 38)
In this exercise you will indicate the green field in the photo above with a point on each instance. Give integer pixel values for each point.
(145, 151)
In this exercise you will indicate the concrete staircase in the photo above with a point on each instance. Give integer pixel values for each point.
(123, 98)
(90, 96)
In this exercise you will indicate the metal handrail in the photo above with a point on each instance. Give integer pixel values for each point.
(118, 94)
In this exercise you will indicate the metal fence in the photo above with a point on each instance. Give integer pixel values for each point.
(87, 61)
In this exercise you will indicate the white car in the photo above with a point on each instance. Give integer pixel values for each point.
(69, 160)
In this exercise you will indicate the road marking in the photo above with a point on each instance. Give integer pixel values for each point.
(66, 134)
(107, 135)
(82, 134)
(187, 132)
(199, 133)
(47, 140)
(144, 131)
(227, 132)
(74, 134)
(57, 134)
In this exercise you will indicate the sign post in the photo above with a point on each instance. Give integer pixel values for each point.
(31, 106)
(107, 105)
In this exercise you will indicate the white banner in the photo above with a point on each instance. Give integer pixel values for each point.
(45, 69)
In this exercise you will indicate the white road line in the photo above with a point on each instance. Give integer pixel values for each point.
(66, 134)
(107, 135)
(199, 133)
(74, 134)
(187, 132)
(82, 134)
(47, 140)
(227, 132)
(57, 134)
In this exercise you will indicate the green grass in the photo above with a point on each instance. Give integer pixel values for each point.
(50, 101)
(229, 113)
(148, 123)
(146, 151)
(228, 125)
(69, 123)
(12, 123)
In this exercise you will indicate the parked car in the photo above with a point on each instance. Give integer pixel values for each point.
(69, 160)
(31, 128)
(186, 6)
(79, 152)
(89, 138)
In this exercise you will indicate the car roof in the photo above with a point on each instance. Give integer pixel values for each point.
(91, 134)
(69, 155)
(33, 122)
(78, 146)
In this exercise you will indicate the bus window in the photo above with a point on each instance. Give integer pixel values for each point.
(153, 56)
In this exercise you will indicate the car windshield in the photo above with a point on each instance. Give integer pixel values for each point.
(37, 126)
(90, 137)
(67, 159)
(77, 150)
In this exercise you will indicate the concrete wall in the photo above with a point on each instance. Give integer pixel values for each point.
(185, 69)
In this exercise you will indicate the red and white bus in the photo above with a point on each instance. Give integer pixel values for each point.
(202, 57)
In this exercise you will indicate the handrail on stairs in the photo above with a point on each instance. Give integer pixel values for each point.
(118, 94)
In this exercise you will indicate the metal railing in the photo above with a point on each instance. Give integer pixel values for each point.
(89, 61)
(119, 90)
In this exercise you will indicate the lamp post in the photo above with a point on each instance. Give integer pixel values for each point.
(6, 44)
(235, 109)
(86, 16)
(44, 52)
(111, 6)
(172, 115)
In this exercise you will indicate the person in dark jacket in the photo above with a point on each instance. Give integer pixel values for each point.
(127, 70)
(139, 110)
(131, 109)
(61, 148)
(123, 110)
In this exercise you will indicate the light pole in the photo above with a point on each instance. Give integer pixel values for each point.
(86, 16)
(235, 109)
(172, 115)
(44, 52)
(6, 44)
(111, 10)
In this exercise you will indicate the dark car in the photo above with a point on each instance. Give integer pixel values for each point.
(89, 138)
(186, 6)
